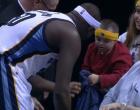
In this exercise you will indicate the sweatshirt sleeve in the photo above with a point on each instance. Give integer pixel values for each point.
(121, 64)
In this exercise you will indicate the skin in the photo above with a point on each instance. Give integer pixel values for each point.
(112, 106)
(118, 106)
(39, 4)
(51, 4)
(65, 37)
(37, 103)
(48, 86)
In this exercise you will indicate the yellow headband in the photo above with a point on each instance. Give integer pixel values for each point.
(107, 34)
(138, 3)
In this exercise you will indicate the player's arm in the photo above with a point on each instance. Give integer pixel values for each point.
(41, 83)
(69, 45)
(69, 52)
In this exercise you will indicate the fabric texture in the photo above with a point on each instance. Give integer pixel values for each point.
(89, 99)
(127, 90)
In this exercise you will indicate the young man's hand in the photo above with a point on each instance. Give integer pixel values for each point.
(93, 79)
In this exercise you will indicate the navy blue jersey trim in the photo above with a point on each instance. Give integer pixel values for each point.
(13, 96)
(1, 90)
(21, 59)
(18, 46)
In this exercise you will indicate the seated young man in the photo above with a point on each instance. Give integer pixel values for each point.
(105, 62)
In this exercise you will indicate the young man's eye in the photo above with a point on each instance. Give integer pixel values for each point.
(106, 40)
(98, 39)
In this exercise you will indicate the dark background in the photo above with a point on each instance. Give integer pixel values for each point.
(118, 10)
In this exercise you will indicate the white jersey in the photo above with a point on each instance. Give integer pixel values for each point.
(19, 39)
(18, 28)
(23, 52)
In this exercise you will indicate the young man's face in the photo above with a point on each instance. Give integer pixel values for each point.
(104, 45)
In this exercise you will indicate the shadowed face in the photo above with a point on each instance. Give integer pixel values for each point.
(50, 5)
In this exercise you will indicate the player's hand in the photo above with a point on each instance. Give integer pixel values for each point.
(75, 88)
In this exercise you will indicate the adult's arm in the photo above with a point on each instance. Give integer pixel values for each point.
(41, 83)
(68, 54)
(67, 39)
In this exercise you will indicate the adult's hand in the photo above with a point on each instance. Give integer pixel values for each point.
(75, 88)
(113, 106)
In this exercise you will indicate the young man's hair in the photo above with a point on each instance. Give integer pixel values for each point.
(109, 24)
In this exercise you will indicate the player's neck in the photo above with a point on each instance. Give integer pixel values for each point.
(24, 5)
(81, 25)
